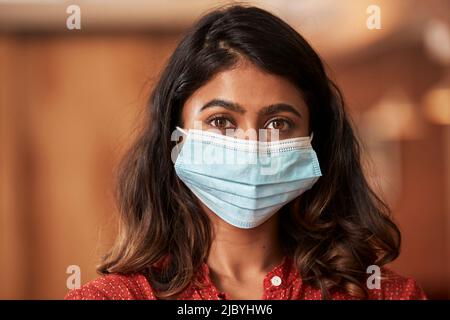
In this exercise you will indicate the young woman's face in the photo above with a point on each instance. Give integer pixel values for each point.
(247, 98)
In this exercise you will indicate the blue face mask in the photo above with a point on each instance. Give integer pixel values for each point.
(245, 182)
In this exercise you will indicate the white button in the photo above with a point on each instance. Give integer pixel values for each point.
(276, 281)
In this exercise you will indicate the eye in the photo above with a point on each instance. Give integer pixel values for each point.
(279, 124)
(220, 122)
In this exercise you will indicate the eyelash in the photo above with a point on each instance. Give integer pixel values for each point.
(225, 117)
(288, 122)
(218, 116)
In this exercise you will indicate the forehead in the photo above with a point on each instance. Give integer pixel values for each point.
(249, 86)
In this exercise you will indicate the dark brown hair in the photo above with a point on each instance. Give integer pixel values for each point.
(334, 232)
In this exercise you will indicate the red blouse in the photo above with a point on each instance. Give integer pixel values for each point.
(282, 283)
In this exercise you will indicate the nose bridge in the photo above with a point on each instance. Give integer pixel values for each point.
(251, 131)
(248, 130)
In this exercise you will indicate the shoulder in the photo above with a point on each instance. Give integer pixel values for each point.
(393, 286)
(114, 287)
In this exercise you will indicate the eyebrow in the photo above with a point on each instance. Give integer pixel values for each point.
(268, 110)
(279, 107)
(232, 106)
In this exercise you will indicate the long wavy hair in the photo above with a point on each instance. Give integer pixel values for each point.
(333, 232)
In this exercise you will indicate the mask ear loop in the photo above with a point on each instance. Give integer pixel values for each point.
(182, 130)
(180, 143)
(311, 137)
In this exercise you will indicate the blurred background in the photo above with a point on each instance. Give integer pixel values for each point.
(71, 101)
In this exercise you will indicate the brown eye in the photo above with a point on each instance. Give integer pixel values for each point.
(220, 122)
(278, 124)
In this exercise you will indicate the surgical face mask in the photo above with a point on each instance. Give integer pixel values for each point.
(245, 182)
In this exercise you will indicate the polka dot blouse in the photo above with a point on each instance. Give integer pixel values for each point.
(282, 283)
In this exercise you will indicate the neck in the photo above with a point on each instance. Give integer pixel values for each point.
(238, 253)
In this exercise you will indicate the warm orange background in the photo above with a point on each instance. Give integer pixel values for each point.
(71, 100)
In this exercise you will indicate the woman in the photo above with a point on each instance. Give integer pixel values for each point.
(298, 221)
